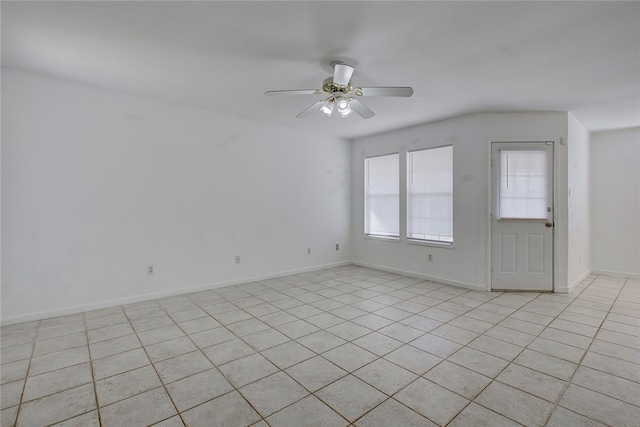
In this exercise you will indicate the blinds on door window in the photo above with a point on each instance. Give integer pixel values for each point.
(523, 184)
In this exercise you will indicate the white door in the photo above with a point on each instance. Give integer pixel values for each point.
(522, 216)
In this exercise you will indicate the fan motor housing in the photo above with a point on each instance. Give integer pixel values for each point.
(330, 87)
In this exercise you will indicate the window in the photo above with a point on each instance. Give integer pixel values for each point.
(382, 196)
(430, 194)
(523, 184)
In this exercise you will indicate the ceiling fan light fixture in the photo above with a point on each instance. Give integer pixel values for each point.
(327, 108)
(342, 104)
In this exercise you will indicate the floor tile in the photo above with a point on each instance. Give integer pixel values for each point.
(436, 345)
(562, 417)
(533, 382)
(308, 412)
(164, 333)
(479, 416)
(89, 419)
(348, 330)
(392, 413)
(432, 401)
(512, 336)
(120, 362)
(243, 371)
(515, 404)
(229, 409)
(287, 354)
(479, 361)
(228, 351)
(57, 407)
(247, 327)
(122, 386)
(459, 379)
(401, 332)
(108, 332)
(385, 376)
(349, 357)
(171, 348)
(433, 346)
(15, 353)
(114, 346)
(316, 373)
(599, 407)
(617, 367)
(321, 341)
(142, 409)
(544, 363)
(557, 349)
(265, 339)
(350, 397)
(182, 366)
(616, 350)
(14, 371)
(199, 388)
(8, 416)
(272, 393)
(212, 337)
(11, 394)
(297, 329)
(198, 325)
(413, 359)
(54, 345)
(607, 384)
(455, 334)
(55, 381)
(496, 347)
(377, 343)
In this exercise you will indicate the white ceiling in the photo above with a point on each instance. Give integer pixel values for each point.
(459, 57)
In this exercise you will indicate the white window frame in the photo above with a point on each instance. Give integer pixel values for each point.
(367, 226)
(444, 240)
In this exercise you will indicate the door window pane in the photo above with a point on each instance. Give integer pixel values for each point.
(523, 184)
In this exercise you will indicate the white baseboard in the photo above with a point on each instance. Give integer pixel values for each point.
(471, 286)
(634, 276)
(162, 294)
(569, 288)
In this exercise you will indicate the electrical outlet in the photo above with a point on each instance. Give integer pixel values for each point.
(337, 246)
(237, 259)
(430, 257)
(149, 270)
(308, 251)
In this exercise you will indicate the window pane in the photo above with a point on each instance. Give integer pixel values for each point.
(523, 184)
(430, 194)
(382, 198)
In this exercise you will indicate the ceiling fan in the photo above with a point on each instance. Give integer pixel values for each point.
(342, 95)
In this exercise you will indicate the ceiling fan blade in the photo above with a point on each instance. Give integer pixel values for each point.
(291, 92)
(361, 109)
(386, 91)
(310, 109)
(342, 73)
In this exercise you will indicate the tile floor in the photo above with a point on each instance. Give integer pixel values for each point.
(347, 346)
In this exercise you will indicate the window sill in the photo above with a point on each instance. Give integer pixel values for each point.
(382, 238)
(430, 243)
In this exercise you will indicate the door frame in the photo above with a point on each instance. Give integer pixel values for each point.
(556, 141)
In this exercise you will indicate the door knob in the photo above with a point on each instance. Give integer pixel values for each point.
(548, 224)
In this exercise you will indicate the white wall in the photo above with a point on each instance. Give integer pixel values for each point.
(615, 202)
(579, 219)
(96, 185)
(467, 263)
